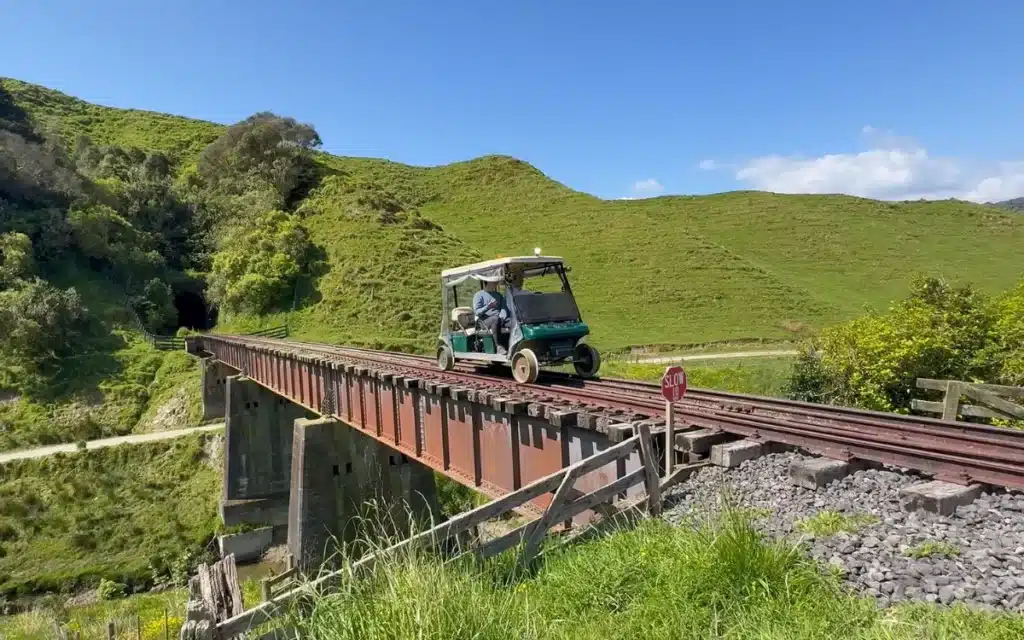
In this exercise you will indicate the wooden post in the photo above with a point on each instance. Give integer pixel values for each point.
(138, 627)
(650, 470)
(951, 402)
(167, 626)
(111, 635)
(541, 525)
(670, 438)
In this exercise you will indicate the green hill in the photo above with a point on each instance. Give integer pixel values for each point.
(668, 270)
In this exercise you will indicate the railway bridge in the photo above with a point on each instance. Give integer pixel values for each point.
(314, 431)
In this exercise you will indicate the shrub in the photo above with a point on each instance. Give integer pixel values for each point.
(42, 324)
(937, 332)
(156, 306)
(258, 267)
(263, 150)
(17, 261)
(110, 590)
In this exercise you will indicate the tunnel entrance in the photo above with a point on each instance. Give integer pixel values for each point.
(193, 311)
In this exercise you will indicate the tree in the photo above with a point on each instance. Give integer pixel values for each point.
(873, 362)
(263, 151)
(103, 234)
(257, 267)
(42, 325)
(17, 261)
(155, 306)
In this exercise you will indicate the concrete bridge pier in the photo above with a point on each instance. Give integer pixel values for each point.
(346, 486)
(214, 375)
(257, 455)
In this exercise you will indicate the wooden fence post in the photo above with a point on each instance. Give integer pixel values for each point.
(650, 470)
(111, 631)
(951, 403)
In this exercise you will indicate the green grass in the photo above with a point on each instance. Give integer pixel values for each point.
(133, 388)
(765, 377)
(932, 548)
(720, 580)
(679, 270)
(829, 523)
(149, 609)
(71, 117)
(70, 519)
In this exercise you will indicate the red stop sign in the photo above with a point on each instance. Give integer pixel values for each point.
(673, 384)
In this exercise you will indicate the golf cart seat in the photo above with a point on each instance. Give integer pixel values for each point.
(463, 316)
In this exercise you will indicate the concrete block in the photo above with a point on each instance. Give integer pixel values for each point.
(700, 441)
(731, 454)
(938, 497)
(694, 458)
(818, 472)
(272, 511)
(248, 546)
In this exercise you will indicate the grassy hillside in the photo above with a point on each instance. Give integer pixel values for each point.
(119, 513)
(733, 266)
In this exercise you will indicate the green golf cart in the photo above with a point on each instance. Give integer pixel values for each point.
(543, 324)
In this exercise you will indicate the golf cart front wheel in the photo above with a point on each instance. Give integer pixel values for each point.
(586, 360)
(525, 367)
(445, 359)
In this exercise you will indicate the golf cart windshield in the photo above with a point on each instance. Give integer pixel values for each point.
(545, 296)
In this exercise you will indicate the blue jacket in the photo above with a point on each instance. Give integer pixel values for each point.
(487, 304)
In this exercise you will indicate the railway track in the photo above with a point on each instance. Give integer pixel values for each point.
(957, 452)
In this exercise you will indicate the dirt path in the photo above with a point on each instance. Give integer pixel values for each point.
(713, 356)
(41, 452)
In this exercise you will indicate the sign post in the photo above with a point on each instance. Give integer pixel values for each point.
(673, 388)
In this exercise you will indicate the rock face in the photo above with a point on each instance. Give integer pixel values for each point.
(975, 555)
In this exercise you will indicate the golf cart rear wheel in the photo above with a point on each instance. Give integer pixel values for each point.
(445, 358)
(525, 367)
(586, 360)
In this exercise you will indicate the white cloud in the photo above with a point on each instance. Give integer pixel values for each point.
(893, 168)
(709, 165)
(647, 188)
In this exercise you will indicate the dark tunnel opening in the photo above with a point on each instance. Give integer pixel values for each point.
(194, 312)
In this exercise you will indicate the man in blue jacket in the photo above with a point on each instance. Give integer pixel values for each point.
(490, 310)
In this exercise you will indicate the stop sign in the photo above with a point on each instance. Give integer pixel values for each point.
(673, 384)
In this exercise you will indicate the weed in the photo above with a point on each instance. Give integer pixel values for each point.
(829, 523)
(932, 548)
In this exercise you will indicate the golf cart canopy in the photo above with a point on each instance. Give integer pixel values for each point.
(495, 270)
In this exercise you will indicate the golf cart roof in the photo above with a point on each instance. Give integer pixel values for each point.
(491, 269)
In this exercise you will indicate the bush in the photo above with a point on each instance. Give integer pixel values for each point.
(873, 362)
(42, 324)
(1008, 349)
(258, 267)
(17, 261)
(264, 150)
(109, 590)
(156, 306)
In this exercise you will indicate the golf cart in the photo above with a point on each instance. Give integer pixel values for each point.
(544, 326)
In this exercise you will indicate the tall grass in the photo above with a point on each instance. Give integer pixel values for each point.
(716, 580)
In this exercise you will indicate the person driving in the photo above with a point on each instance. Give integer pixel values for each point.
(490, 310)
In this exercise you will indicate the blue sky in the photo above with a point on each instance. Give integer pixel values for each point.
(887, 99)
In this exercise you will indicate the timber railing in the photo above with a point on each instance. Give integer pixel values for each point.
(991, 400)
(280, 332)
(566, 503)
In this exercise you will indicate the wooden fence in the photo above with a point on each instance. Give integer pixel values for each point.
(206, 623)
(990, 400)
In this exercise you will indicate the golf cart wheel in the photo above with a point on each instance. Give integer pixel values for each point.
(445, 358)
(586, 360)
(525, 367)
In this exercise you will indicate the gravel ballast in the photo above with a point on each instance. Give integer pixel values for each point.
(987, 570)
